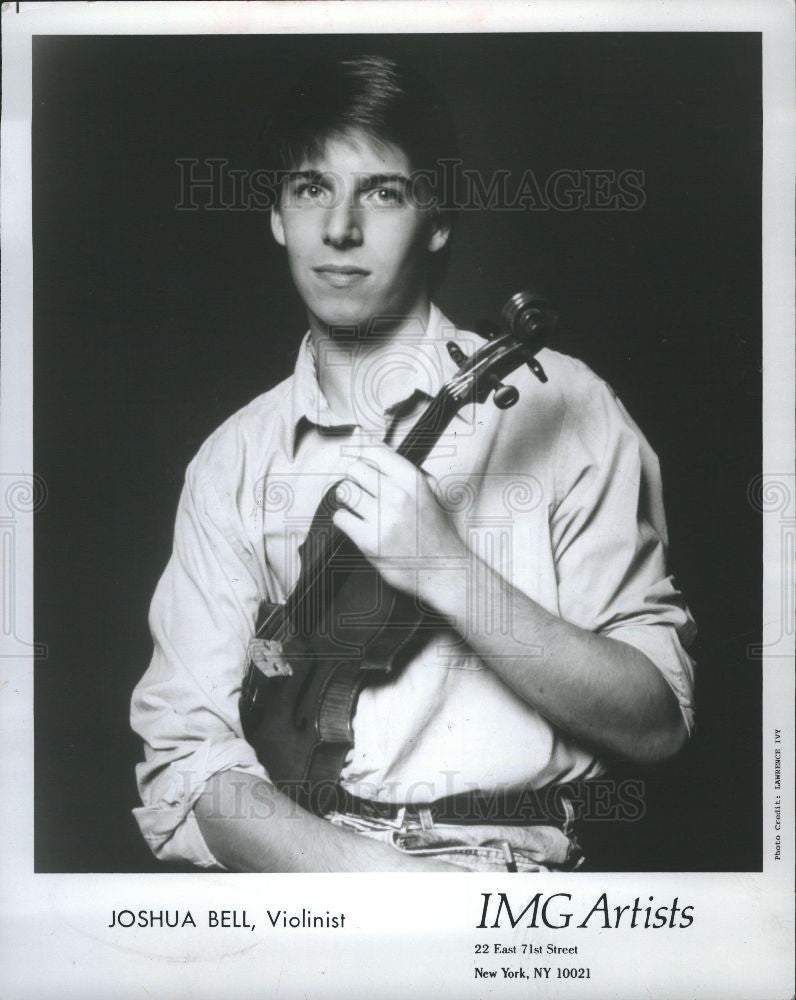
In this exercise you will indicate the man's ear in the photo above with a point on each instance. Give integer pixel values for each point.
(276, 226)
(440, 234)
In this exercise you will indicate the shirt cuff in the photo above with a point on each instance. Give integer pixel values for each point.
(168, 824)
(661, 644)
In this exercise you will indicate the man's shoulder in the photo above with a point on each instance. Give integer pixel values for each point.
(574, 378)
(582, 413)
(593, 418)
(573, 392)
(256, 428)
(584, 396)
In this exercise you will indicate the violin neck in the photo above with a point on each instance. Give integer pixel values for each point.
(326, 543)
(420, 440)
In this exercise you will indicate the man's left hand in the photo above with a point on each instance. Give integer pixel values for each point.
(390, 512)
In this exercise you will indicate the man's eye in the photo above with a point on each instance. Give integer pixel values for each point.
(313, 192)
(387, 196)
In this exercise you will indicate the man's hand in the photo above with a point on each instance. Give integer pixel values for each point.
(601, 691)
(390, 512)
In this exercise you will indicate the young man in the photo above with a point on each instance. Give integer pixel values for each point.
(537, 533)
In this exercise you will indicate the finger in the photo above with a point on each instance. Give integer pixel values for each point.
(352, 526)
(365, 475)
(390, 464)
(350, 496)
(380, 456)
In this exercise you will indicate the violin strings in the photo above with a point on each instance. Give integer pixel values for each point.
(415, 448)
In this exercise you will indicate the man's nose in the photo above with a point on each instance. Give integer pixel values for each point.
(342, 225)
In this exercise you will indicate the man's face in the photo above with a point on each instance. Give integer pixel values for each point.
(357, 241)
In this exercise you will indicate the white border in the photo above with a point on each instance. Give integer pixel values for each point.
(52, 938)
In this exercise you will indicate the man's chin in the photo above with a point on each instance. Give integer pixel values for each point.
(344, 315)
(358, 316)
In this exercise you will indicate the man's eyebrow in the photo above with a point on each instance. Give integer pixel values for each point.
(312, 176)
(366, 182)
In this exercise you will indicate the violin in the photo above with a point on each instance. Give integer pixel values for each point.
(342, 626)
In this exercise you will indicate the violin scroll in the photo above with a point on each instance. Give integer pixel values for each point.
(532, 320)
(527, 322)
(530, 317)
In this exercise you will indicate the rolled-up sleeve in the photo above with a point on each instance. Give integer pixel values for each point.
(610, 540)
(185, 707)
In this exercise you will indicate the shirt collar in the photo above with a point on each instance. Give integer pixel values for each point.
(422, 358)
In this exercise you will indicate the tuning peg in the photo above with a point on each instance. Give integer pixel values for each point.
(456, 353)
(505, 396)
(537, 369)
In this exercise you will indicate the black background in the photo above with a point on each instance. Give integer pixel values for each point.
(152, 325)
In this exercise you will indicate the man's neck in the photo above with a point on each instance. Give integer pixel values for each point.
(354, 370)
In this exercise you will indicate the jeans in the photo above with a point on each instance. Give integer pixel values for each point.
(479, 848)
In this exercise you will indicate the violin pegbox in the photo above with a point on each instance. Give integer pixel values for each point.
(527, 321)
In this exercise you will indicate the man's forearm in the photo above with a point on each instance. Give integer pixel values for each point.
(601, 691)
(249, 826)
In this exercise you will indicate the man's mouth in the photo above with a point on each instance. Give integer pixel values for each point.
(340, 275)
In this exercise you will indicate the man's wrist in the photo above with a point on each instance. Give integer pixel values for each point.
(464, 589)
(444, 586)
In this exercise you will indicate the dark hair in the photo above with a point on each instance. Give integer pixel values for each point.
(371, 93)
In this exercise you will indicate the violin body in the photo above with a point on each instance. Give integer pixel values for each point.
(342, 626)
(310, 663)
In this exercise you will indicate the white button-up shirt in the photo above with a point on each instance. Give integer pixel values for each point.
(561, 494)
